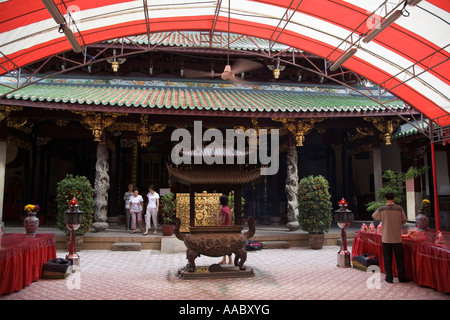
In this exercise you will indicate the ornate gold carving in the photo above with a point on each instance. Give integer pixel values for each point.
(19, 124)
(359, 133)
(124, 126)
(207, 208)
(386, 127)
(97, 122)
(5, 111)
(127, 143)
(62, 123)
(146, 130)
(299, 128)
(19, 142)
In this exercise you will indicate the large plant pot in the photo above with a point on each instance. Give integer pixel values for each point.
(167, 229)
(316, 240)
(78, 243)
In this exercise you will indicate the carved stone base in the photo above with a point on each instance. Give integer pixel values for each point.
(100, 226)
(292, 226)
(205, 272)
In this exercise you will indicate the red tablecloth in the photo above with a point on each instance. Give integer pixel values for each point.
(426, 263)
(22, 258)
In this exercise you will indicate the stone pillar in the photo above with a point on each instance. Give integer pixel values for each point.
(292, 185)
(101, 189)
(2, 177)
(377, 172)
(412, 199)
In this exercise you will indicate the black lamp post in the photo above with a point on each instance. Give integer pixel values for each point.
(344, 217)
(73, 218)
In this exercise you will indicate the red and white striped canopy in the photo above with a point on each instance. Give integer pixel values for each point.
(410, 57)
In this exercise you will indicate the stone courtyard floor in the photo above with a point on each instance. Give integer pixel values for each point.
(280, 274)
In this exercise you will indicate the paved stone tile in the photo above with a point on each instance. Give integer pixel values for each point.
(280, 274)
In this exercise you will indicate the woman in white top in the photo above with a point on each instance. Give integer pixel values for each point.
(152, 209)
(136, 208)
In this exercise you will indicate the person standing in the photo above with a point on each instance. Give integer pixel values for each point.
(136, 208)
(152, 209)
(392, 217)
(225, 220)
(126, 198)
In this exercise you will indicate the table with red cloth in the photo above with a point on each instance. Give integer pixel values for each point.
(426, 263)
(22, 258)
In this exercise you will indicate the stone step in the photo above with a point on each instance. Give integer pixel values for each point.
(275, 244)
(126, 246)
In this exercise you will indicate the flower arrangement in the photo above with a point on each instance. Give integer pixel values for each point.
(32, 208)
(314, 205)
(79, 189)
(426, 206)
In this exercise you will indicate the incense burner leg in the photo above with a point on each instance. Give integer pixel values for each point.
(240, 258)
(191, 256)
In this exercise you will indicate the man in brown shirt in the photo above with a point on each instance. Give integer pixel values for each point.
(392, 217)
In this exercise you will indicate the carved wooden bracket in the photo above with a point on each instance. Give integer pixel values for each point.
(359, 133)
(145, 130)
(5, 111)
(19, 124)
(97, 122)
(386, 127)
(299, 128)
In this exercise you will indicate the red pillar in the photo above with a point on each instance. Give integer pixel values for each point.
(436, 199)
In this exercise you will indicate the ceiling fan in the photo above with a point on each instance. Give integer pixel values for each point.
(229, 73)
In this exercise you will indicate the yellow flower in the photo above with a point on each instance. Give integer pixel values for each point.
(30, 207)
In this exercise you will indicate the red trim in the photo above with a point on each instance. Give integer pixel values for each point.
(18, 13)
(396, 39)
(443, 4)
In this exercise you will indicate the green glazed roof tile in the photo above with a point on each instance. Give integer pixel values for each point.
(200, 98)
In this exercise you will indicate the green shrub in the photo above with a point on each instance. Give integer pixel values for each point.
(80, 188)
(314, 205)
(394, 181)
(169, 208)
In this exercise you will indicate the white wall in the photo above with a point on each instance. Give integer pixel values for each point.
(443, 182)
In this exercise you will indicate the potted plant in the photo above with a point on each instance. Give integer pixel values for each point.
(80, 188)
(169, 209)
(314, 208)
